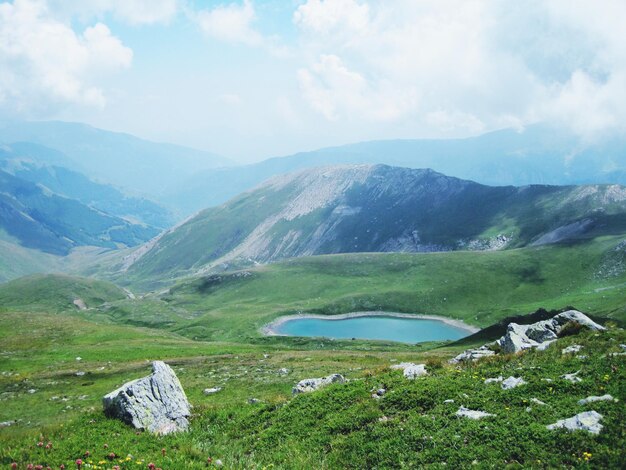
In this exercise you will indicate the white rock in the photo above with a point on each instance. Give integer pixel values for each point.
(157, 402)
(448, 401)
(521, 337)
(494, 380)
(310, 385)
(472, 355)
(472, 414)
(411, 371)
(32, 390)
(211, 391)
(592, 399)
(572, 377)
(79, 373)
(574, 348)
(283, 371)
(588, 421)
(78, 358)
(545, 345)
(512, 382)
(536, 401)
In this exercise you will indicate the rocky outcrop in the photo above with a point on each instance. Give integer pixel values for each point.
(473, 354)
(310, 385)
(588, 421)
(521, 337)
(156, 403)
(512, 382)
(410, 370)
(594, 399)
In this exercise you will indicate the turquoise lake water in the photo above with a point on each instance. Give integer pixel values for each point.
(405, 330)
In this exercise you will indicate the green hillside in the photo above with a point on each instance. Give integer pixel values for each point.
(378, 209)
(56, 293)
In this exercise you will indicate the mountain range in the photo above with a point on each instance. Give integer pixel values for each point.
(538, 154)
(377, 208)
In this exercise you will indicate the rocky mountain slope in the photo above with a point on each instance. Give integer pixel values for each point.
(377, 208)
(537, 155)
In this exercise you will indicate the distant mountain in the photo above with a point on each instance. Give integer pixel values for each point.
(377, 208)
(37, 218)
(538, 155)
(116, 158)
(27, 164)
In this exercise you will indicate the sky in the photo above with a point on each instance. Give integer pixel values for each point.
(251, 79)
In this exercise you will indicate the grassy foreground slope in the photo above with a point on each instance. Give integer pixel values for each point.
(477, 287)
(338, 427)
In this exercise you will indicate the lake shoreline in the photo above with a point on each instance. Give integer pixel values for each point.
(272, 328)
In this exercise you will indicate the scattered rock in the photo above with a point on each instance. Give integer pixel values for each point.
(310, 385)
(512, 382)
(592, 399)
(79, 373)
(521, 337)
(473, 355)
(283, 371)
(411, 371)
(211, 391)
(572, 377)
(32, 390)
(253, 401)
(582, 357)
(574, 348)
(472, 414)
(494, 380)
(448, 401)
(78, 358)
(266, 356)
(80, 304)
(6, 424)
(547, 380)
(536, 401)
(588, 421)
(379, 393)
(383, 419)
(157, 402)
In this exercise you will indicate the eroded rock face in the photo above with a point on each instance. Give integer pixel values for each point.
(156, 403)
(310, 385)
(520, 337)
(588, 421)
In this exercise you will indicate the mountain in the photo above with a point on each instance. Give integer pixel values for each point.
(27, 163)
(377, 208)
(35, 217)
(537, 155)
(119, 159)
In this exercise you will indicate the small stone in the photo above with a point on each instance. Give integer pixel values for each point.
(211, 391)
(78, 358)
(411, 370)
(79, 373)
(537, 402)
(253, 401)
(32, 390)
(310, 385)
(547, 380)
(582, 357)
(383, 419)
(494, 380)
(6, 424)
(574, 348)
(592, 399)
(572, 377)
(588, 421)
(472, 414)
(512, 382)
(472, 355)
(283, 371)
(448, 401)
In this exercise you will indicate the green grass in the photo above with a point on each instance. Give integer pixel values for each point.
(477, 287)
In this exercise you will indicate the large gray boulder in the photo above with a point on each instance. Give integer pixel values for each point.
(521, 337)
(310, 385)
(411, 370)
(156, 403)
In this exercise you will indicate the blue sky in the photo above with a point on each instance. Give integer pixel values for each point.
(251, 79)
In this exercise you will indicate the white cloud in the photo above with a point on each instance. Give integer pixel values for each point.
(134, 12)
(466, 66)
(45, 64)
(332, 16)
(230, 23)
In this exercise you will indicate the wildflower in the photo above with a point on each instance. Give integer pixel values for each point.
(209, 460)
(163, 451)
(62, 466)
(40, 444)
(79, 463)
(106, 446)
(587, 456)
(30, 466)
(87, 453)
(38, 467)
(116, 467)
(49, 446)
(151, 466)
(14, 465)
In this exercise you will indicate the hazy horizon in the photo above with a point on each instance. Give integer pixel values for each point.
(252, 79)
